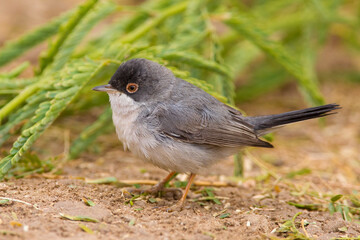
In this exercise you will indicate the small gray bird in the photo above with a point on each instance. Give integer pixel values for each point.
(179, 127)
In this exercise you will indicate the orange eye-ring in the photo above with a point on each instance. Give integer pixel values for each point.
(132, 87)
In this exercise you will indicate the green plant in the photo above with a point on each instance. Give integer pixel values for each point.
(180, 34)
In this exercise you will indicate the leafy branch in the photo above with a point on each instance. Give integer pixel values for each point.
(189, 37)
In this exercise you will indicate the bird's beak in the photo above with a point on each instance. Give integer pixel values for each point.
(104, 88)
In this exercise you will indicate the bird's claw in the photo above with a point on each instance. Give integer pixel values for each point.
(168, 193)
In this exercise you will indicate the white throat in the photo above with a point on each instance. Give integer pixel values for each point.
(125, 112)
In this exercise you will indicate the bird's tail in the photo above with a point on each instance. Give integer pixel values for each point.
(265, 124)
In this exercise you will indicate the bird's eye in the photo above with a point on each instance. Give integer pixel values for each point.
(132, 87)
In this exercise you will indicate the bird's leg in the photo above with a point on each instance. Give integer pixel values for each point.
(160, 187)
(190, 181)
(179, 205)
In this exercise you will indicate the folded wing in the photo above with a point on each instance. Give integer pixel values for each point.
(210, 123)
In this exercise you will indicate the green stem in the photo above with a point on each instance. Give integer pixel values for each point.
(67, 29)
(150, 24)
(257, 36)
(86, 138)
(13, 49)
(18, 100)
(293, 222)
(16, 71)
(239, 165)
(9, 91)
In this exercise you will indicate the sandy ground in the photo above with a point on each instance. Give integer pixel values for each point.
(255, 207)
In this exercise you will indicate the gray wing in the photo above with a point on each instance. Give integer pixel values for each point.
(206, 121)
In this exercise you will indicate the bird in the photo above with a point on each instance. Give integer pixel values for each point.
(180, 128)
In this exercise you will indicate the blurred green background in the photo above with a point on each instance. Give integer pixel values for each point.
(235, 50)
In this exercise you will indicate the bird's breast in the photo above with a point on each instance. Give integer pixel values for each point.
(125, 113)
(131, 131)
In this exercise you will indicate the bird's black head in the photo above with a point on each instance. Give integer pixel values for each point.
(142, 80)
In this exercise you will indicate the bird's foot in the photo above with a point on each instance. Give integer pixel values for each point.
(177, 207)
(158, 191)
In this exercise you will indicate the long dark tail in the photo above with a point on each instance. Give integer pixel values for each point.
(264, 124)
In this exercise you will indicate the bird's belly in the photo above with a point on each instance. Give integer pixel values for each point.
(170, 154)
(165, 152)
(186, 157)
